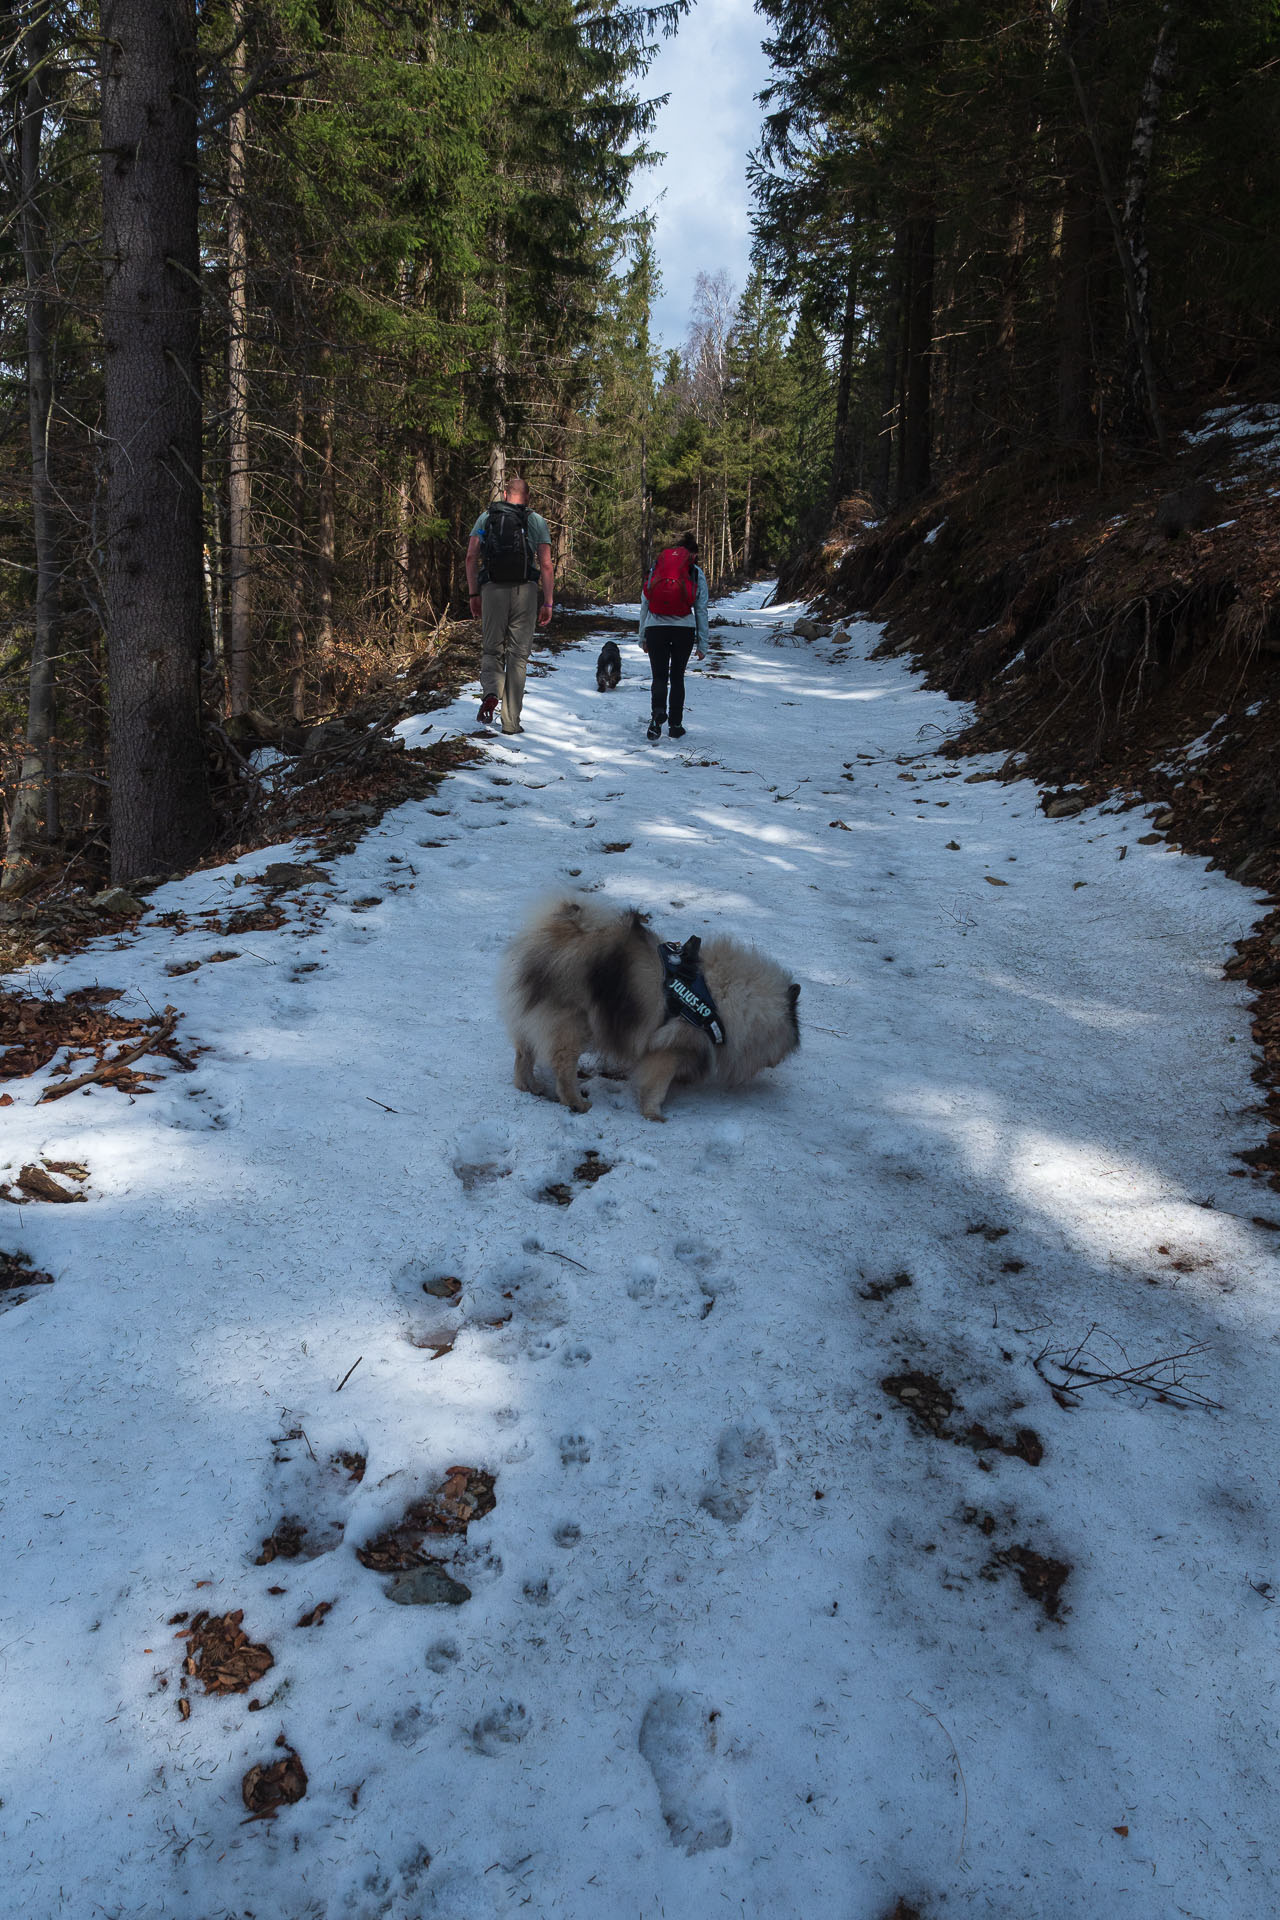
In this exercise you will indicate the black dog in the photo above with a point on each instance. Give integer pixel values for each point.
(608, 667)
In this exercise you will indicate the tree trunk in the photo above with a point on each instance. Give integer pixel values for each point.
(746, 511)
(1124, 254)
(240, 582)
(917, 423)
(1074, 396)
(1015, 254)
(35, 803)
(161, 814)
(326, 535)
(1134, 219)
(840, 459)
(298, 572)
(890, 334)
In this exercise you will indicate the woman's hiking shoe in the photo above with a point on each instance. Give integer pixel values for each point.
(654, 729)
(488, 708)
(677, 733)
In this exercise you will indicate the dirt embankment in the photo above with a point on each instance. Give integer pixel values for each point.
(1119, 633)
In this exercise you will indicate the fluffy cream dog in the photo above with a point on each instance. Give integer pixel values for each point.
(584, 978)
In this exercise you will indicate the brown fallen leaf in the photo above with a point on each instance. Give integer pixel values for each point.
(266, 1788)
(992, 880)
(221, 1655)
(316, 1616)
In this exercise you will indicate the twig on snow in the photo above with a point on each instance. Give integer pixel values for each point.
(1078, 1368)
(347, 1375)
(964, 1825)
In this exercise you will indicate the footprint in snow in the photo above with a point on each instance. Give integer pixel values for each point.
(519, 1289)
(206, 1112)
(575, 1450)
(313, 1480)
(502, 1728)
(481, 1153)
(745, 1457)
(678, 1743)
(649, 1287)
(443, 1655)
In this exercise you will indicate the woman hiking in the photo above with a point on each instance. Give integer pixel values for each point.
(673, 624)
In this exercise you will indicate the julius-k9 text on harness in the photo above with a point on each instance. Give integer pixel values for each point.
(686, 990)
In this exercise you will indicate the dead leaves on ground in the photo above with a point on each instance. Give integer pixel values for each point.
(34, 1029)
(266, 1788)
(17, 1278)
(221, 1655)
(464, 1495)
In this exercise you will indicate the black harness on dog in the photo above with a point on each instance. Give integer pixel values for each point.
(686, 991)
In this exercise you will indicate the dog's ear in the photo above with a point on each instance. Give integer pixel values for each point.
(690, 950)
(793, 992)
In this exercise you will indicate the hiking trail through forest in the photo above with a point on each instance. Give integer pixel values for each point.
(856, 1490)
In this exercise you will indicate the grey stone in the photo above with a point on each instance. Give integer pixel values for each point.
(427, 1587)
(285, 873)
(807, 629)
(328, 734)
(116, 900)
(1064, 805)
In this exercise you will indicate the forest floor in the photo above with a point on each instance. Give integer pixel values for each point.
(853, 1496)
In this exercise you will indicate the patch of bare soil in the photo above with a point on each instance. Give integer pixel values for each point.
(465, 1494)
(590, 1168)
(1118, 628)
(931, 1406)
(1041, 1577)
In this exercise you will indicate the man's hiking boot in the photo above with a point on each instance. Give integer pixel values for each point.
(677, 733)
(654, 729)
(488, 708)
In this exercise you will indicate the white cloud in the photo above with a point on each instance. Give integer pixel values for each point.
(712, 71)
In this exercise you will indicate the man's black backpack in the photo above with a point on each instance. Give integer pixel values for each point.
(508, 556)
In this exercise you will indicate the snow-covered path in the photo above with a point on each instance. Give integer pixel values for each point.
(747, 1630)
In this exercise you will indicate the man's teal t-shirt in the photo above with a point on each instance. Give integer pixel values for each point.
(539, 535)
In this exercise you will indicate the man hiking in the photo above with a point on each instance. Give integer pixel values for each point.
(509, 571)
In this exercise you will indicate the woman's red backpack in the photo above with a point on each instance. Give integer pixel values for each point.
(672, 589)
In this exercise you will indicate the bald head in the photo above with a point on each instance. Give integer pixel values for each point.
(517, 492)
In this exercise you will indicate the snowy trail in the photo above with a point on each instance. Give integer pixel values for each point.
(747, 1630)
